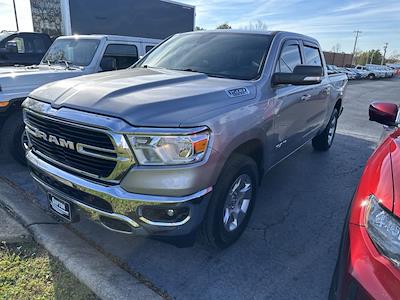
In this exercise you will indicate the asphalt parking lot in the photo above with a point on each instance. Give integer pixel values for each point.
(290, 248)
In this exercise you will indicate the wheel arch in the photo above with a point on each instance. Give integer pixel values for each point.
(254, 148)
(338, 104)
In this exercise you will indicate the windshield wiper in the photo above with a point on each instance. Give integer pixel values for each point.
(66, 62)
(208, 74)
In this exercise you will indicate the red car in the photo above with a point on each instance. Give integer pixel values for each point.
(368, 266)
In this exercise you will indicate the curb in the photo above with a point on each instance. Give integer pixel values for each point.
(12, 232)
(88, 265)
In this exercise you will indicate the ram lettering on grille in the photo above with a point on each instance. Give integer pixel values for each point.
(53, 139)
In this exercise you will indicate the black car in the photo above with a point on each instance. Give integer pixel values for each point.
(23, 48)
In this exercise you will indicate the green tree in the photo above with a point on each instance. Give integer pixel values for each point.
(198, 28)
(369, 57)
(224, 26)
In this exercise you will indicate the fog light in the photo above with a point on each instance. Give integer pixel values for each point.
(164, 214)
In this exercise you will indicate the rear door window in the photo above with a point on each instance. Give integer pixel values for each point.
(124, 55)
(312, 56)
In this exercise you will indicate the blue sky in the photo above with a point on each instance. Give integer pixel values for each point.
(331, 22)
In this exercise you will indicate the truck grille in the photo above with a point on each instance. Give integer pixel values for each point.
(45, 134)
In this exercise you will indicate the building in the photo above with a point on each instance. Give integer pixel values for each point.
(338, 59)
(145, 18)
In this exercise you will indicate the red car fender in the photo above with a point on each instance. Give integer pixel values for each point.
(376, 179)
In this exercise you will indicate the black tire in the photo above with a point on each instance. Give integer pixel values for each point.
(371, 76)
(213, 229)
(12, 132)
(324, 140)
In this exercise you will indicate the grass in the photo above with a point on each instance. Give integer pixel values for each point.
(27, 271)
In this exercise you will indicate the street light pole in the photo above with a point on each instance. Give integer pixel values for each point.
(15, 14)
(357, 32)
(384, 53)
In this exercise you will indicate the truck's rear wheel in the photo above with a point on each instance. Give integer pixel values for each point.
(232, 202)
(324, 140)
(371, 76)
(14, 137)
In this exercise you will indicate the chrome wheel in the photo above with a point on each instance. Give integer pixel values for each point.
(237, 202)
(332, 130)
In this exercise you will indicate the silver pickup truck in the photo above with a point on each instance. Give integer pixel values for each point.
(180, 141)
(68, 56)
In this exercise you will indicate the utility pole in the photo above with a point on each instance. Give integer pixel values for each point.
(384, 53)
(357, 32)
(15, 13)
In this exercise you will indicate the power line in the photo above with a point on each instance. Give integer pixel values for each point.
(357, 32)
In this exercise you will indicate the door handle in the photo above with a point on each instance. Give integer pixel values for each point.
(305, 97)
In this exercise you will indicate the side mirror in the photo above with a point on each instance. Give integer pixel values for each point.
(302, 75)
(11, 47)
(383, 113)
(108, 63)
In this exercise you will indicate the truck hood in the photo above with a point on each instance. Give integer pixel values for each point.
(147, 97)
(13, 79)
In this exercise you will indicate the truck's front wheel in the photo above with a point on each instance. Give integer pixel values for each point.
(232, 202)
(14, 136)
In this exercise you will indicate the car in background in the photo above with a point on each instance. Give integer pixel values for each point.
(395, 68)
(373, 73)
(332, 69)
(368, 266)
(385, 73)
(389, 71)
(357, 75)
(68, 56)
(361, 74)
(23, 48)
(350, 75)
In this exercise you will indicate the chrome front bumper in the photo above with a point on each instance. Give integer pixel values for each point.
(124, 206)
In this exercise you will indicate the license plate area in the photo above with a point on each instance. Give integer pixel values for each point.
(60, 207)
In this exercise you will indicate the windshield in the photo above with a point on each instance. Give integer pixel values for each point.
(76, 52)
(4, 35)
(217, 54)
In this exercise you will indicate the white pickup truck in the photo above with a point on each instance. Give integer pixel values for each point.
(373, 73)
(68, 56)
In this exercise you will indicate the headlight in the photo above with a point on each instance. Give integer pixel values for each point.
(384, 230)
(168, 149)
